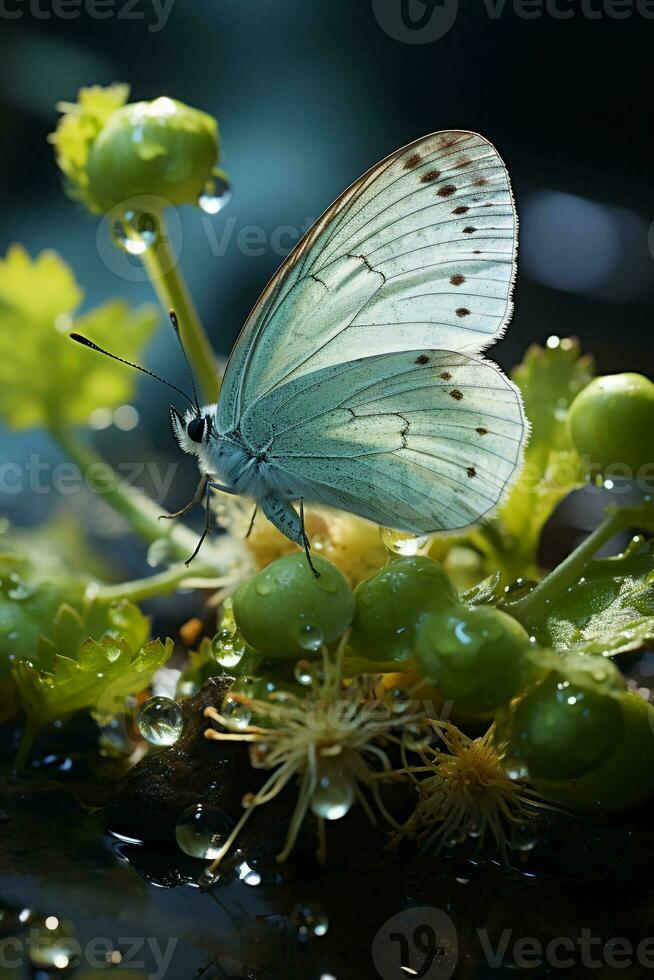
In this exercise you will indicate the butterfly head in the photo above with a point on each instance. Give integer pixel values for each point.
(193, 429)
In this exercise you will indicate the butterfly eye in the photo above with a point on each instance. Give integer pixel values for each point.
(195, 430)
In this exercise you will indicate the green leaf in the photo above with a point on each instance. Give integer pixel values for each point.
(549, 378)
(484, 592)
(29, 600)
(609, 610)
(46, 379)
(45, 609)
(100, 676)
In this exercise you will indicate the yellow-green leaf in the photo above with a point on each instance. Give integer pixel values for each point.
(46, 379)
(101, 675)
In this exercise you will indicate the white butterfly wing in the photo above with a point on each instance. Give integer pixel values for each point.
(420, 441)
(419, 253)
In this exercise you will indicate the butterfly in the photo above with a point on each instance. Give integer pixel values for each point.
(357, 382)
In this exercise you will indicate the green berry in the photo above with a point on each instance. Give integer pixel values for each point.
(625, 778)
(476, 656)
(285, 611)
(570, 723)
(611, 421)
(161, 148)
(390, 605)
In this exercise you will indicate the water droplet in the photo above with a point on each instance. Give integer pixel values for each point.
(310, 637)
(160, 721)
(263, 587)
(304, 672)
(400, 700)
(52, 945)
(236, 713)
(114, 739)
(249, 876)
(208, 878)
(201, 831)
(419, 736)
(516, 769)
(135, 231)
(523, 837)
(259, 753)
(19, 590)
(334, 794)
(158, 552)
(474, 828)
(215, 195)
(227, 653)
(403, 542)
(310, 921)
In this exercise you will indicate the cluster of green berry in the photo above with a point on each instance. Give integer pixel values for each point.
(565, 722)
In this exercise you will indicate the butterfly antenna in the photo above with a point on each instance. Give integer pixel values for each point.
(175, 323)
(137, 367)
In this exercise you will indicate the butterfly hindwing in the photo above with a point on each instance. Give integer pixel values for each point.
(418, 253)
(421, 441)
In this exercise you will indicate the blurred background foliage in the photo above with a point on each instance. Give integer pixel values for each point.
(307, 97)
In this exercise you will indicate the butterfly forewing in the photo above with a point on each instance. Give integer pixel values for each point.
(357, 380)
(418, 253)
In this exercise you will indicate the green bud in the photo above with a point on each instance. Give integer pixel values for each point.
(111, 152)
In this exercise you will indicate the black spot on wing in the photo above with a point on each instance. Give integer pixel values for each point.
(412, 162)
(430, 177)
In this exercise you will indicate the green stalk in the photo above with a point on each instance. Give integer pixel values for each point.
(215, 560)
(28, 735)
(140, 589)
(571, 569)
(171, 289)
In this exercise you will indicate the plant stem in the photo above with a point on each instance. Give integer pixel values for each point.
(142, 514)
(29, 733)
(572, 567)
(140, 589)
(171, 289)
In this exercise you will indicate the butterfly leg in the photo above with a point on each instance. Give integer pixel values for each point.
(207, 525)
(306, 542)
(197, 497)
(254, 517)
